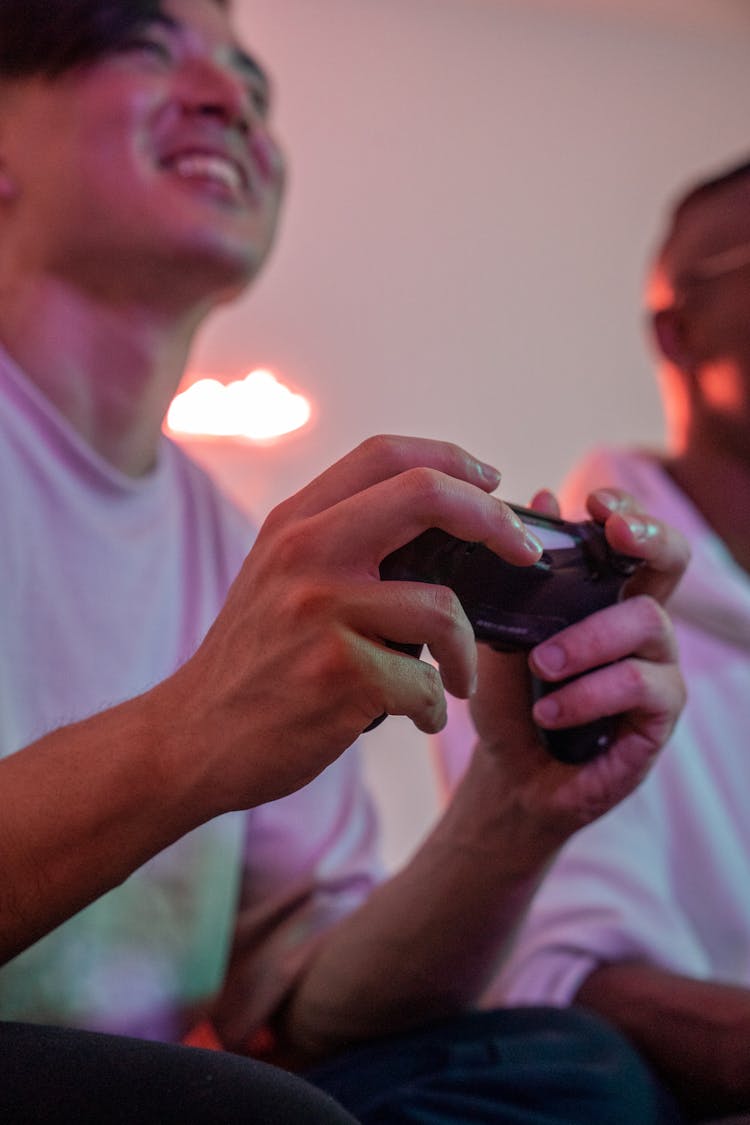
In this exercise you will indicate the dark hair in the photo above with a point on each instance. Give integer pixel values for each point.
(49, 37)
(705, 188)
(695, 194)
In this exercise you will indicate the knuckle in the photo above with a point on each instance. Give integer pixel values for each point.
(291, 546)
(308, 602)
(277, 517)
(384, 449)
(599, 639)
(653, 616)
(398, 453)
(425, 689)
(457, 459)
(670, 693)
(633, 679)
(577, 698)
(586, 642)
(333, 663)
(429, 712)
(432, 684)
(425, 485)
(447, 609)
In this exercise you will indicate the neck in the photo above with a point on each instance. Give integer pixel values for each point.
(111, 371)
(718, 484)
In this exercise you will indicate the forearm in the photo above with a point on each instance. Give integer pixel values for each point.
(82, 808)
(427, 941)
(695, 1033)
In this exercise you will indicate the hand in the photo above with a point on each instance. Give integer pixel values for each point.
(295, 666)
(629, 654)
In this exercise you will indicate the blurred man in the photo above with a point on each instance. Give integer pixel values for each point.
(645, 917)
(155, 686)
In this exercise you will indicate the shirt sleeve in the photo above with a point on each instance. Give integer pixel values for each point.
(310, 860)
(610, 896)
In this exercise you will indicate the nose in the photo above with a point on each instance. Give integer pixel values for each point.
(217, 91)
(214, 91)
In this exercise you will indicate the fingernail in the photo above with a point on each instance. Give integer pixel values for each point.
(642, 530)
(530, 541)
(532, 544)
(489, 473)
(609, 499)
(550, 658)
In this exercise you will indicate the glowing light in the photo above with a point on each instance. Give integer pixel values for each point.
(722, 386)
(257, 407)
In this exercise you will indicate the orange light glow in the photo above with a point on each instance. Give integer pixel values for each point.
(258, 407)
(722, 386)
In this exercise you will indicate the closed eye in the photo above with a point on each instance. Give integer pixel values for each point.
(147, 45)
(153, 37)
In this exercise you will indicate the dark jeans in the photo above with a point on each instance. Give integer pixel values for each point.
(524, 1066)
(52, 1075)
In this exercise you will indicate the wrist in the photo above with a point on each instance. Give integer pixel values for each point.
(495, 813)
(181, 753)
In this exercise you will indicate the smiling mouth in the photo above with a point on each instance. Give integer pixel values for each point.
(209, 168)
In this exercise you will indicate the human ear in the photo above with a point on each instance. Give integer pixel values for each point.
(670, 334)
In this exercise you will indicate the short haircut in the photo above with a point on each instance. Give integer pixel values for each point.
(705, 188)
(48, 37)
(700, 191)
(659, 289)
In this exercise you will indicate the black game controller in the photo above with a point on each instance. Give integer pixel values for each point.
(513, 608)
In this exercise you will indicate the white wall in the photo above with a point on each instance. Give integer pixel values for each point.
(475, 185)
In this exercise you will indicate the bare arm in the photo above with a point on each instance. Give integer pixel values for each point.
(425, 942)
(252, 715)
(695, 1033)
(81, 809)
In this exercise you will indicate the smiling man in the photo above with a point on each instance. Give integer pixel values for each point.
(163, 670)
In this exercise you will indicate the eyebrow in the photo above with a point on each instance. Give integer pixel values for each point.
(248, 65)
(241, 59)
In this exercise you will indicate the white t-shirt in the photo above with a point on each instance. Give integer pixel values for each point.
(108, 584)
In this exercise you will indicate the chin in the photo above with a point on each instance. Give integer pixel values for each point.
(215, 269)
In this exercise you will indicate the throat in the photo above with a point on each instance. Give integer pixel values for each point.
(110, 376)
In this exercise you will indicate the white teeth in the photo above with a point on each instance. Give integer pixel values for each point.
(200, 166)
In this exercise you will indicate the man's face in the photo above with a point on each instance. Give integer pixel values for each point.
(152, 166)
(708, 279)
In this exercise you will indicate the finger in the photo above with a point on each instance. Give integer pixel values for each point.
(645, 694)
(380, 458)
(632, 531)
(639, 627)
(361, 530)
(406, 686)
(545, 502)
(423, 614)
